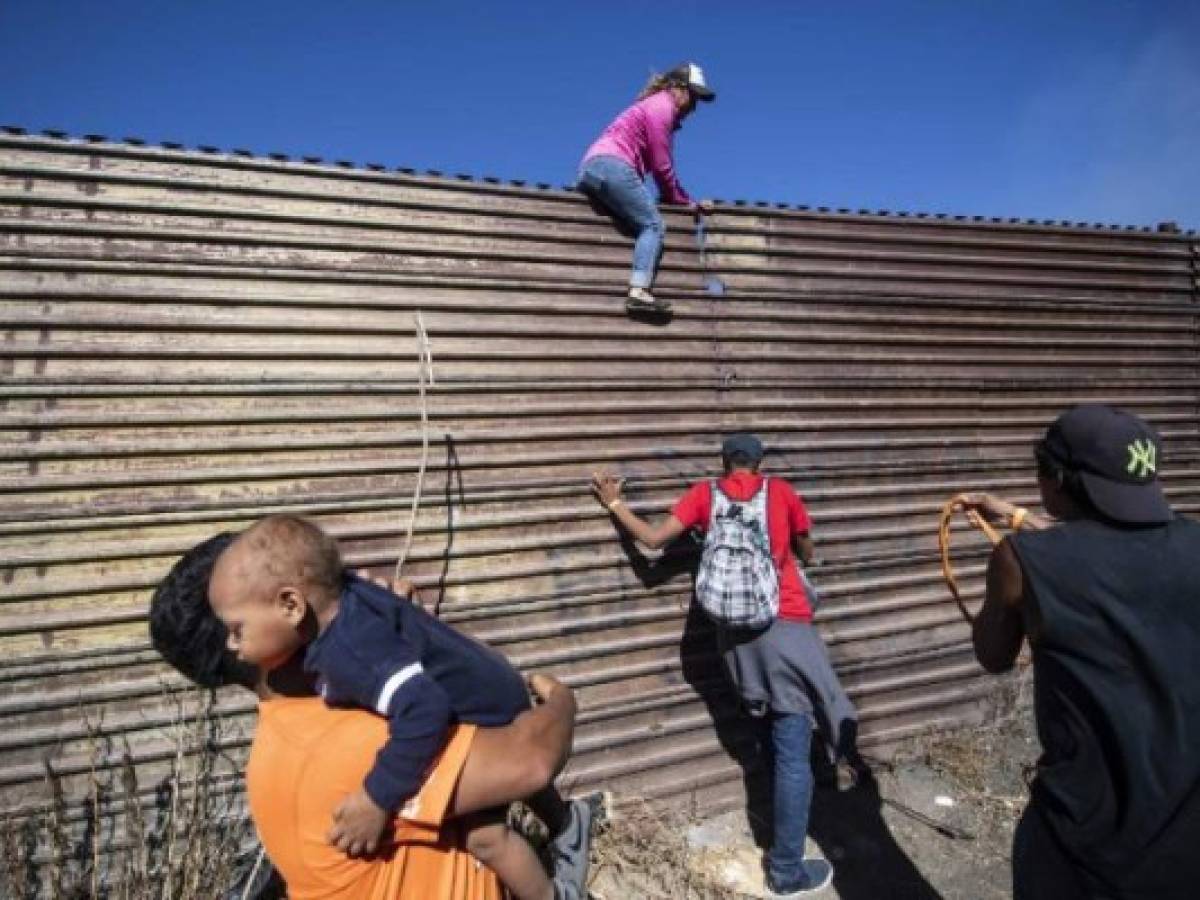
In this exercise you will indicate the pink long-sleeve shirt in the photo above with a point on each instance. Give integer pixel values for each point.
(642, 137)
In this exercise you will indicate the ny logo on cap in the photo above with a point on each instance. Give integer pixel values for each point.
(1141, 458)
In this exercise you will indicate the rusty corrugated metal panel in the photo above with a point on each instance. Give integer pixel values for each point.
(193, 340)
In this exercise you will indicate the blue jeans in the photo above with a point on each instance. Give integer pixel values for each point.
(614, 184)
(791, 737)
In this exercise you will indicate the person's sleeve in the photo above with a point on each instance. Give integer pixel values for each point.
(373, 667)
(418, 714)
(798, 518)
(692, 507)
(660, 120)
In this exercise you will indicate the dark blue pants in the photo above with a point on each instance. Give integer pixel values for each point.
(791, 738)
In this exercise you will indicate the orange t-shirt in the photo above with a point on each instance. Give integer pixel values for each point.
(305, 759)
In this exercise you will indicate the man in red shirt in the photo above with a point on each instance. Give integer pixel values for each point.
(781, 672)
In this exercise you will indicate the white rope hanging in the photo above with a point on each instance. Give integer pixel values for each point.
(424, 380)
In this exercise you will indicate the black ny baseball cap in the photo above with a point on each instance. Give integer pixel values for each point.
(1117, 457)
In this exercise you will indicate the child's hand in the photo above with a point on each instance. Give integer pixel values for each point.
(357, 825)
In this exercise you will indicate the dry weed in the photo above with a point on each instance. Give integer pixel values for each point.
(644, 852)
(175, 838)
(989, 765)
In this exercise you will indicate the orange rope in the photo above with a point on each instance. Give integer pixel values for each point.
(953, 505)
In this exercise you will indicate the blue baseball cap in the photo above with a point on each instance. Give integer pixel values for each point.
(743, 445)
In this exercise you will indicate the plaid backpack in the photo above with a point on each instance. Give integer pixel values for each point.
(737, 584)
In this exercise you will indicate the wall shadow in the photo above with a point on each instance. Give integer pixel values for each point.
(849, 828)
(453, 485)
(740, 736)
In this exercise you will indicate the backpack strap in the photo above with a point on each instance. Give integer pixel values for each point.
(761, 503)
(717, 502)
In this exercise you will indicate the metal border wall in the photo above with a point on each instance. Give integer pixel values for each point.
(192, 339)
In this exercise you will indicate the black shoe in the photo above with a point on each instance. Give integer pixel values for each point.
(641, 300)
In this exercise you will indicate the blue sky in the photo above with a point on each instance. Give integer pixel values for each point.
(1087, 110)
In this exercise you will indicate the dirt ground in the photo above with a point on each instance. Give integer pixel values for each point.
(936, 822)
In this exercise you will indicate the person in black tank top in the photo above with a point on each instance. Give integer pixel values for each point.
(1109, 599)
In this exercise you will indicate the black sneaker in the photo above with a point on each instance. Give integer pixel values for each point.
(641, 300)
(570, 851)
(817, 875)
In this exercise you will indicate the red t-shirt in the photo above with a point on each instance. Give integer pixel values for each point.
(786, 516)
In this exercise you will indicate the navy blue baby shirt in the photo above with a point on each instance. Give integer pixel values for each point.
(384, 653)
